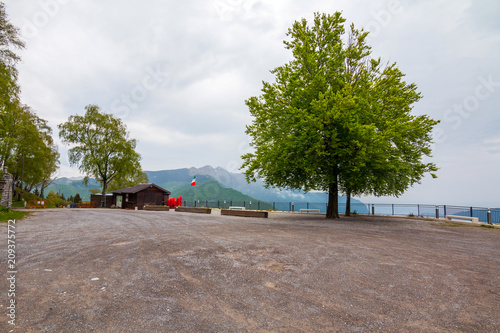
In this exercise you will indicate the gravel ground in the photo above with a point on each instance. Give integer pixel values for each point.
(103, 270)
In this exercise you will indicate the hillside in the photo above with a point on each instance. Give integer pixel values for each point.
(211, 184)
(178, 182)
(70, 187)
(257, 190)
(211, 190)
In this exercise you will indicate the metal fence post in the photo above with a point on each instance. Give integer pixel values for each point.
(224, 204)
(250, 206)
(444, 210)
(392, 209)
(489, 216)
(471, 212)
(437, 212)
(293, 204)
(373, 209)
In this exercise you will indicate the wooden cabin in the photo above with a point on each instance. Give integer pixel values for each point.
(137, 196)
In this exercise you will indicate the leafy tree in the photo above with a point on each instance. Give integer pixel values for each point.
(101, 148)
(95, 190)
(77, 198)
(28, 150)
(55, 200)
(9, 40)
(336, 120)
(139, 177)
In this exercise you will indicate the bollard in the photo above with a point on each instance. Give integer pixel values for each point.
(373, 209)
(250, 206)
(489, 216)
(293, 206)
(437, 212)
(224, 204)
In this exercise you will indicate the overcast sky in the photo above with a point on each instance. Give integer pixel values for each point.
(178, 73)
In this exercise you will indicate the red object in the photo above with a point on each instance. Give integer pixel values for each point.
(174, 202)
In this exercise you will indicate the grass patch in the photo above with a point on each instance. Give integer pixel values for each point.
(6, 214)
(458, 225)
(464, 225)
(12, 215)
(18, 204)
(487, 226)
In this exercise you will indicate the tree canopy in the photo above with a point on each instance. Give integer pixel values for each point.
(101, 147)
(337, 120)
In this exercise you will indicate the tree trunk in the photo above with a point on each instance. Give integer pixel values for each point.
(42, 189)
(103, 197)
(332, 211)
(348, 204)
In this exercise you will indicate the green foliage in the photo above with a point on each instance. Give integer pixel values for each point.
(130, 180)
(101, 148)
(27, 196)
(6, 214)
(335, 119)
(55, 200)
(77, 198)
(9, 40)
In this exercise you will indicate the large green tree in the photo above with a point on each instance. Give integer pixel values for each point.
(9, 41)
(9, 90)
(101, 147)
(27, 147)
(337, 120)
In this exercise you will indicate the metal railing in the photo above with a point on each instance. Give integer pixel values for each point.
(487, 215)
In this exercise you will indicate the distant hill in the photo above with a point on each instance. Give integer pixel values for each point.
(257, 190)
(211, 184)
(70, 187)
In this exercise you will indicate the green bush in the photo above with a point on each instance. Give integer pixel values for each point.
(27, 196)
(55, 200)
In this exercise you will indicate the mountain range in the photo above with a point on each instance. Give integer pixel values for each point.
(211, 184)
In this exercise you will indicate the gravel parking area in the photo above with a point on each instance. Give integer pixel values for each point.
(104, 270)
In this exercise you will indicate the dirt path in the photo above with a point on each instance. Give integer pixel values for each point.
(135, 271)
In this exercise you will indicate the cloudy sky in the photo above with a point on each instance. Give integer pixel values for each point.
(178, 73)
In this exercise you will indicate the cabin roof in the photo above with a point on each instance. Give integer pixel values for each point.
(139, 188)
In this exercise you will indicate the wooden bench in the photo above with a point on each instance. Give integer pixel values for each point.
(197, 210)
(85, 204)
(236, 208)
(156, 208)
(37, 204)
(246, 213)
(458, 217)
(303, 210)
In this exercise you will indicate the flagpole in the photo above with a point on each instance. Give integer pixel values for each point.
(193, 183)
